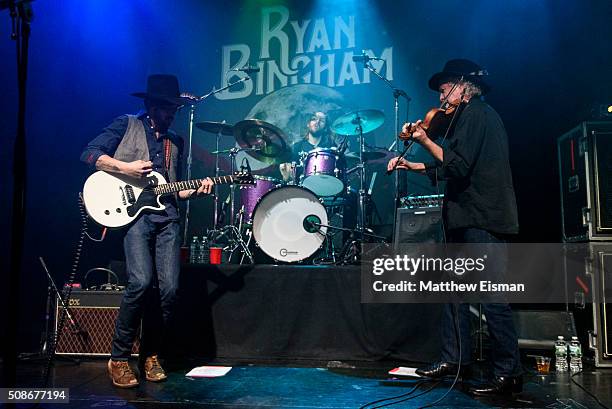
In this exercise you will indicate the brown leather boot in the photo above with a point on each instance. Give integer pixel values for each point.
(121, 374)
(153, 370)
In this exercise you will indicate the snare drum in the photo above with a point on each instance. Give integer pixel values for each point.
(284, 224)
(324, 171)
(250, 195)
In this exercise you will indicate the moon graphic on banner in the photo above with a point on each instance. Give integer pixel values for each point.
(289, 108)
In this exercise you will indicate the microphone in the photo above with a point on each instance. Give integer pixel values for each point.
(311, 222)
(364, 58)
(247, 69)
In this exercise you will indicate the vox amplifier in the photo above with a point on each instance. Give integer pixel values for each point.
(94, 313)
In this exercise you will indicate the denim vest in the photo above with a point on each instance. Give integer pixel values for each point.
(134, 146)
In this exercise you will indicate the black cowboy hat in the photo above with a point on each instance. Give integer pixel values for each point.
(455, 69)
(164, 88)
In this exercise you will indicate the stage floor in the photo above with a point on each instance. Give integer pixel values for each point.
(302, 385)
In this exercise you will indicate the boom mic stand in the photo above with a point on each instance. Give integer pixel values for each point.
(312, 226)
(196, 100)
(396, 94)
(47, 348)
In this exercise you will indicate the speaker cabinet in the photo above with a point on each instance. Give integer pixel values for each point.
(585, 172)
(418, 225)
(599, 267)
(94, 313)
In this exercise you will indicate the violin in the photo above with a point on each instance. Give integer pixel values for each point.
(436, 122)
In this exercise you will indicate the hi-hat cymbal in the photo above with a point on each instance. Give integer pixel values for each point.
(216, 127)
(268, 140)
(348, 124)
(352, 158)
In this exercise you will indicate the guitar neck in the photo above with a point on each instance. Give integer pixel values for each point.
(174, 187)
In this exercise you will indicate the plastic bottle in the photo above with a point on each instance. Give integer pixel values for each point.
(560, 354)
(194, 250)
(575, 353)
(204, 250)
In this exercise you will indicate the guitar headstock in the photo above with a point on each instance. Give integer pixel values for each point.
(243, 178)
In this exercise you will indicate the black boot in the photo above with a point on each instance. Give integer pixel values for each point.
(501, 385)
(438, 370)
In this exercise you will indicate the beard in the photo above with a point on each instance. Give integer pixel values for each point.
(319, 132)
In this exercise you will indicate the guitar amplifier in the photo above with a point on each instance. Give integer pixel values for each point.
(585, 175)
(94, 313)
(419, 220)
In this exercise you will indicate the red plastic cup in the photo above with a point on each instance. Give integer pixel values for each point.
(215, 255)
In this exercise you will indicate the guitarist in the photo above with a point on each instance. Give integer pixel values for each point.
(135, 145)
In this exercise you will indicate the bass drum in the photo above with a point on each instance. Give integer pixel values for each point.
(283, 224)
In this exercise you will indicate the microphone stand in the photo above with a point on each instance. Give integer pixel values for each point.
(190, 146)
(397, 93)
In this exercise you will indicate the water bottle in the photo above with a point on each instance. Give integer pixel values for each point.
(194, 250)
(560, 354)
(575, 353)
(204, 250)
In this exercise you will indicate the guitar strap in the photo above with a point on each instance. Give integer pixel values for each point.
(167, 152)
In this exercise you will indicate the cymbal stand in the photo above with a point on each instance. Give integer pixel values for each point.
(362, 182)
(233, 152)
(216, 188)
(195, 100)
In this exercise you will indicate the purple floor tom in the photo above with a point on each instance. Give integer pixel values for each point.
(250, 194)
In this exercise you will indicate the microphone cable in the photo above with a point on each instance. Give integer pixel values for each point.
(66, 293)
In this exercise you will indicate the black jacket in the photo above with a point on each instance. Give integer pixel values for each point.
(476, 168)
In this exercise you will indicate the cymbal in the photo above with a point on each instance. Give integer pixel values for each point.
(216, 127)
(352, 158)
(347, 124)
(270, 141)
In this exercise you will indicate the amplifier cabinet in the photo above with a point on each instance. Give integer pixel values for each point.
(95, 313)
(418, 225)
(585, 175)
(600, 337)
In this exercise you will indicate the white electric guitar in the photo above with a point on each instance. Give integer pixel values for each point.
(115, 200)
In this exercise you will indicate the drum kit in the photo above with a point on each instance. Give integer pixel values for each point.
(292, 221)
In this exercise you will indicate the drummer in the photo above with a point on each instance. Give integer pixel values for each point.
(318, 135)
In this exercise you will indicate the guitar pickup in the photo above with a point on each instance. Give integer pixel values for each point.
(129, 192)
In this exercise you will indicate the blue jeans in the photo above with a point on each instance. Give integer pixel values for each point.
(152, 254)
(504, 349)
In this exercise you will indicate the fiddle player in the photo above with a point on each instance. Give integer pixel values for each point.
(479, 207)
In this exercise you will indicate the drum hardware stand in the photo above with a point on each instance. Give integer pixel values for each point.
(362, 175)
(216, 188)
(361, 219)
(236, 241)
(232, 152)
(235, 236)
(249, 234)
(196, 100)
